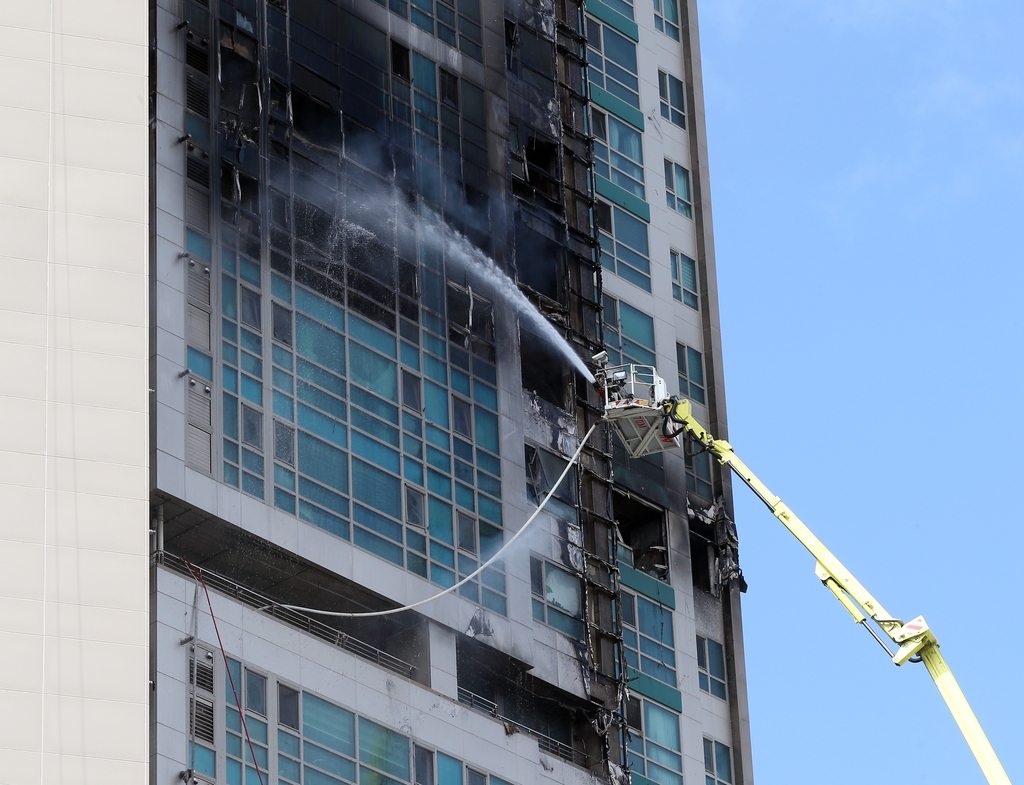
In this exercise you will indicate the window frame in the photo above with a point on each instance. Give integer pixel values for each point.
(684, 273)
(543, 607)
(706, 679)
(690, 372)
(668, 91)
(678, 188)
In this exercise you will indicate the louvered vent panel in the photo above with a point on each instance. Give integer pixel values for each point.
(197, 57)
(198, 171)
(202, 671)
(200, 448)
(197, 208)
(202, 719)
(198, 328)
(197, 94)
(199, 407)
(199, 283)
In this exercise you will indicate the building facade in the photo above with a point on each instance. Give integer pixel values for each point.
(372, 246)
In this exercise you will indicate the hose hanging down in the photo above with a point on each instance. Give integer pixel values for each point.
(479, 569)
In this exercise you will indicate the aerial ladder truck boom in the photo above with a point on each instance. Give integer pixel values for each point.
(647, 420)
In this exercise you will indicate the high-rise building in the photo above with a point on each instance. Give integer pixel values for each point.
(300, 298)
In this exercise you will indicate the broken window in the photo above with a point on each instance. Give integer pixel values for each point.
(557, 599)
(643, 534)
(542, 471)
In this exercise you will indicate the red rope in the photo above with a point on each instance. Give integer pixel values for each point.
(231, 679)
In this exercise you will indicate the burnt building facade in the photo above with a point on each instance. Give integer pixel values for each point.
(365, 220)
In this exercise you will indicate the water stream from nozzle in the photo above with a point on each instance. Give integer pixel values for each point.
(463, 255)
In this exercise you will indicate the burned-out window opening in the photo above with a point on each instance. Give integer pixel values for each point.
(643, 534)
(544, 370)
(400, 61)
(493, 683)
(701, 561)
(449, 88)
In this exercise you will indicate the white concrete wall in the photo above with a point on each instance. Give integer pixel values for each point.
(74, 683)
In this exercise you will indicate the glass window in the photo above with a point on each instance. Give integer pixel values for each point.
(249, 306)
(711, 667)
(612, 60)
(287, 706)
(252, 427)
(666, 17)
(284, 443)
(672, 103)
(624, 247)
(648, 638)
(618, 153)
(654, 744)
(558, 599)
(255, 692)
(684, 279)
(690, 365)
(628, 333)
(677, 189)
(717, 763)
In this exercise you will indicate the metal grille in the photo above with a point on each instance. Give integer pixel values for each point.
(198, 328)
(201, 719)
(294, 618)
(200, 449)
(197, 205)
(199, 406)
(198, 170)
(196, 57)
(202, 673)
(197, 95)
(199, 283)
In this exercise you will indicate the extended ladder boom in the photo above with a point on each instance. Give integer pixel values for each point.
(915, 639)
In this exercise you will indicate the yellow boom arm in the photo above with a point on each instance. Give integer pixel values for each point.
(915, 639)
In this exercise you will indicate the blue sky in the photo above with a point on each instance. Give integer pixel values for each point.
(867, 176)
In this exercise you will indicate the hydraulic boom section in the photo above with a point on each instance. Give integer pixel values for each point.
(647, 422)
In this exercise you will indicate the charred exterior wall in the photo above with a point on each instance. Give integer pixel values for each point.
(354, 410)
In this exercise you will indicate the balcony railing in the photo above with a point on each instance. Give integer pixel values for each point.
(546, 743)
(298, 620)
